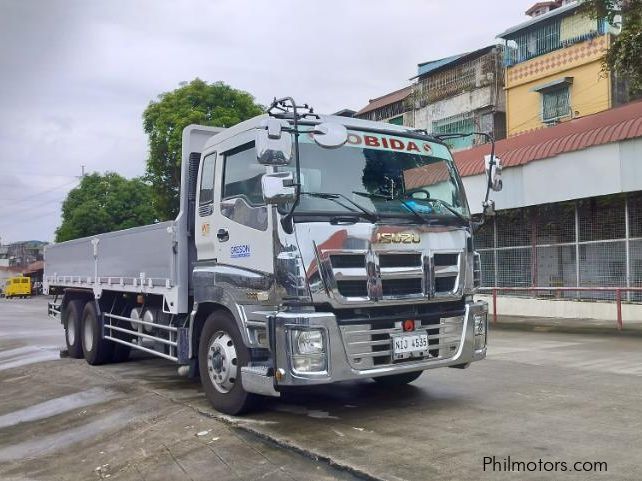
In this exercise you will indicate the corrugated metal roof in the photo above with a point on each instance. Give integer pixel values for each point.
(427, 67)
(547, 16)
(391, 98)
(435, 65)
(612, 125)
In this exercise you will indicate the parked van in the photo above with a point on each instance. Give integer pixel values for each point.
(17, 287)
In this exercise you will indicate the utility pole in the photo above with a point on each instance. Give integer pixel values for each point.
(82, 172)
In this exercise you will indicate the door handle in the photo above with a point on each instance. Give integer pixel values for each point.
(223, 235)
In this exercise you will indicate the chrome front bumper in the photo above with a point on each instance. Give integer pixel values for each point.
(338, 365)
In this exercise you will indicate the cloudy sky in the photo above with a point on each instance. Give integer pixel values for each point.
(76, 75)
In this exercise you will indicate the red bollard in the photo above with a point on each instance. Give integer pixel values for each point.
(494, 306)
(618, 300)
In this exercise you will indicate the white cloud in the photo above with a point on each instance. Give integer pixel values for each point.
(77, 74)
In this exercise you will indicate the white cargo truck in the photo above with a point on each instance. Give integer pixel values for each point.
(308, 249)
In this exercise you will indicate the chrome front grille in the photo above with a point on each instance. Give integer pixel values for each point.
(369, 345)
(360, 276)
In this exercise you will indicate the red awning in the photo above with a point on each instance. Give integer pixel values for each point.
(612, 125)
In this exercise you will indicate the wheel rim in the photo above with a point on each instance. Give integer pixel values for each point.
(88, 334)
(71, 330)
(222, 363)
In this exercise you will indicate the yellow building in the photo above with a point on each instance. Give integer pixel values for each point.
(554, 67)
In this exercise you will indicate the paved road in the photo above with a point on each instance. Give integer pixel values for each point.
(540, 396)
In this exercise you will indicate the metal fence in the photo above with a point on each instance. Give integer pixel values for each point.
(594, 242)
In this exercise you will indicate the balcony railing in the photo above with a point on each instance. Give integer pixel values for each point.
(550, 36)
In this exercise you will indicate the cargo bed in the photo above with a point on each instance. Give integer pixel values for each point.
(138, 260)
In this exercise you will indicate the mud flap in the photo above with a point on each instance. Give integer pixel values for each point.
(182, 345)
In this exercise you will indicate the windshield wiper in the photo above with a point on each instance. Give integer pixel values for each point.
(440, 202)
(373, 196)
(448, 207)
(371, 216)
(421, 218)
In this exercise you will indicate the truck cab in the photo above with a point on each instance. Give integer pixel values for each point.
(342, 258)
(309, 249)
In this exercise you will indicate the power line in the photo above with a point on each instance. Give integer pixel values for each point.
(31, 196)
(32, 174)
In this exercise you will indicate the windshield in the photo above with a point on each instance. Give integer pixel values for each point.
(382, 174)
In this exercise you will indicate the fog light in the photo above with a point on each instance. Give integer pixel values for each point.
(309, 341)
(309, 364)
(479, 329)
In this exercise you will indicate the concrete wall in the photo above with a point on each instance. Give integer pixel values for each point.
(590, 92)
(564, 309)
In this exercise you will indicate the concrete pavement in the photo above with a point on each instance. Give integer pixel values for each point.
(540, 396)
(61, 419)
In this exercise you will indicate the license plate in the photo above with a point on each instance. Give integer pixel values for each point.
(409, 345)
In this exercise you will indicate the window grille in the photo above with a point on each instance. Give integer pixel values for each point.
(469, 75)
(551, 35)
(556, 104)
(462, 123)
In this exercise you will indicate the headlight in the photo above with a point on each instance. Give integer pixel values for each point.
(308, 341)
(308, 350)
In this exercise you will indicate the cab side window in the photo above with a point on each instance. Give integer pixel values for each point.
(242, 175)
(206, 195)
(242, 194)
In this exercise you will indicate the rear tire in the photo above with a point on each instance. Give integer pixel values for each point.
(72, 320)
(396, 380)
(221, 353)
(96, 349)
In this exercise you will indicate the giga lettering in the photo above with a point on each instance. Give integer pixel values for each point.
(240, 251)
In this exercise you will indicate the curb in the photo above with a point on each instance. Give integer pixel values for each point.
(590, 330)
(290, 446)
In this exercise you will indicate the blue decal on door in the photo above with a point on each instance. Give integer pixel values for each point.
(240, 251)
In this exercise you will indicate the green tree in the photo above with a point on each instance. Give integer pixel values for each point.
(624, 56)
(197, 102)
(103, 203)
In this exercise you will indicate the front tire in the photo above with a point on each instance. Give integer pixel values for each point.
(396, 380)
(221, 353)
(72, 319)
(96, 349)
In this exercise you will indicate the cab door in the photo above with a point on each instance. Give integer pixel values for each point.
(243, 226)
(203, 235)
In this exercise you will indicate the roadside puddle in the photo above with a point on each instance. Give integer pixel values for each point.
(57, 406)
(22, 356)
(55, 442)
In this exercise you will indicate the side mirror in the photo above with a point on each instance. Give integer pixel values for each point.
(278, 188)
(494, 173)
(273, 144)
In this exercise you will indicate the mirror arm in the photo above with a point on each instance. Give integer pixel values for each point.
(286, 221)
(491, 163)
